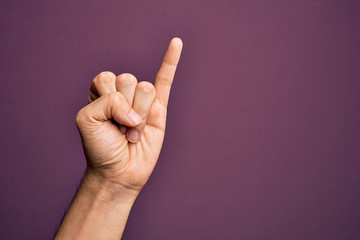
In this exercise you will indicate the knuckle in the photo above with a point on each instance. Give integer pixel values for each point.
(126, 79)
(164, 79)
(80, 117)
(104, 77)
(116, 98)
(146, 87)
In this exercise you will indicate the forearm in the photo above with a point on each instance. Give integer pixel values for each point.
(99, 210)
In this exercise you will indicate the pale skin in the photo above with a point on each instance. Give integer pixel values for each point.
(122, 131)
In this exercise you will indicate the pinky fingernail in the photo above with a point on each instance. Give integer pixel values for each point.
(133, 135)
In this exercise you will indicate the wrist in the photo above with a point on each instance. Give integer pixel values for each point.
(99, 210)
(97, 185)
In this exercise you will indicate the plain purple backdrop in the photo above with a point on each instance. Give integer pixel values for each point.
(263, 136)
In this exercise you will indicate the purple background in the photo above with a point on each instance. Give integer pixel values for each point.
(263, 132)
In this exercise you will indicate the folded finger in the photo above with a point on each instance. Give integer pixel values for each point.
(126, 84)
(102, 84)
(144, 97)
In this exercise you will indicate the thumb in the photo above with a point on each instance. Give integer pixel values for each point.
(113, 105)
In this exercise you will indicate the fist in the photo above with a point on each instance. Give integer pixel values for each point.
(123, 126)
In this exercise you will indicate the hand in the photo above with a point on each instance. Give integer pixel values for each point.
(123, 126)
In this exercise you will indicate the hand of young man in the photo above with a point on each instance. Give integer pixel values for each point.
(122, 131)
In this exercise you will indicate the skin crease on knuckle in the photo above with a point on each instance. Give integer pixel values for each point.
(126, 79)
(146, 87)
(83, 118)
(104, 77)
(116, 99)
(79, 118)
(163, 79)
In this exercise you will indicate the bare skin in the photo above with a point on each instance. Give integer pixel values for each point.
(122, 131)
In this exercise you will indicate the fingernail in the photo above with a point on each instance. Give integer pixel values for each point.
(133, 135)
(134, 117)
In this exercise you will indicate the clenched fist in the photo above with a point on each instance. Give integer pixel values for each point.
(123, 126)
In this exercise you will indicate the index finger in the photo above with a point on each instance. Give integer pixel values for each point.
(165, 76)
